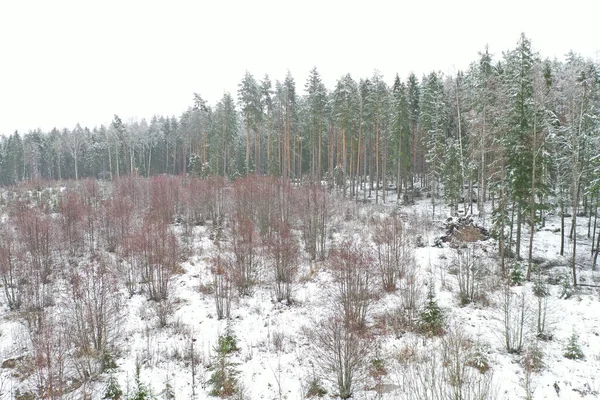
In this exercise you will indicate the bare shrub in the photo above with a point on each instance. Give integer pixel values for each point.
(471, 272)
(351, 268)
(445, 372)
(393, 251)
(312, 210)
(282, 252)
(11, 266)
(50, 359)
(514, 313)
(246, 263)
(222, 284)
(341, 354)
(155, 253)
(94, 316)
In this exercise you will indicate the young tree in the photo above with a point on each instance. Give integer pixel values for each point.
(341, 353)
(316, 99)
(433, 120)
(283, 251)
(393, 251)
(351, 266)
(249, 97)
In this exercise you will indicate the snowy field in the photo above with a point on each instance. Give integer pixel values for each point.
(275, 359)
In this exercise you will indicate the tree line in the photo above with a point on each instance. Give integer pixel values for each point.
(515, 129)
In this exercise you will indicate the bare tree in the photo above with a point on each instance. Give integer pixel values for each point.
(157, 256)
(513, 312)
(74, 143)
(351, 268)
(471, 272)
(447, 371)
(392, 250)
(94, 316)
(11, 266)
(341, 353)
(282, 252)
(50, 359)
(221, 269)
(312, 209)
(244, 247)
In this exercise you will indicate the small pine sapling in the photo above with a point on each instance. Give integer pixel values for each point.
(573, 350)
(315, 389)
(142, 392)
(223, 379)
(432, 317)
(113, 390)
(516, 274)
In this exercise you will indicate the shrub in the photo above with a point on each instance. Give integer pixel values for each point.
(315, 389)
(533, 359)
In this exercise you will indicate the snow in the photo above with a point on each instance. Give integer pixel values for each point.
(274, 348)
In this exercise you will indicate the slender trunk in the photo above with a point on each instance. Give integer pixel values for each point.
(574, 233)
(364, 179)
(589, 214)
(131, 155)
(460, 144)
(595, 223)
(512, 225)
(331, 145)
(519, 223)
(118, 172)
(596, 254)
(149, 160)
(247, 142)
(384, 171)
(109, 163)
(398, 168)
(502, 234)
(257, 161)
(344, 162)
(269, 143)
(562, 226)
(377, 159)
(224, 149)
(320, 139)
(532, 204)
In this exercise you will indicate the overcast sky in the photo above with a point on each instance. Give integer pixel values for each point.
(63, 62)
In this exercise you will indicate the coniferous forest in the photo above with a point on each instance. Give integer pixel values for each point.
(116, 239)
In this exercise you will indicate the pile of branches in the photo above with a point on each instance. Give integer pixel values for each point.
(462, 229)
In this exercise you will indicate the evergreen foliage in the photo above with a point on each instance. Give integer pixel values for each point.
(432, 317)
(573, 350)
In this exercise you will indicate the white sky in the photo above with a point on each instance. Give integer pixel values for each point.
(63, 62)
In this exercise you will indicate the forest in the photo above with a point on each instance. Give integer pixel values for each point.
(330, 243)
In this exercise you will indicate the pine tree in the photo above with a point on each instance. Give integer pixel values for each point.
(250, 105)
(432, 317)
(519, 127)
(315, 99)
(400, 138)
(414, 111)
(345, 113)
(225, 129)
(223, 379)
(141, 391)
(113, 390)
(433, 123)
(573, 350)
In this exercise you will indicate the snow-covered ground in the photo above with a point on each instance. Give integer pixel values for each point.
(274, 357)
